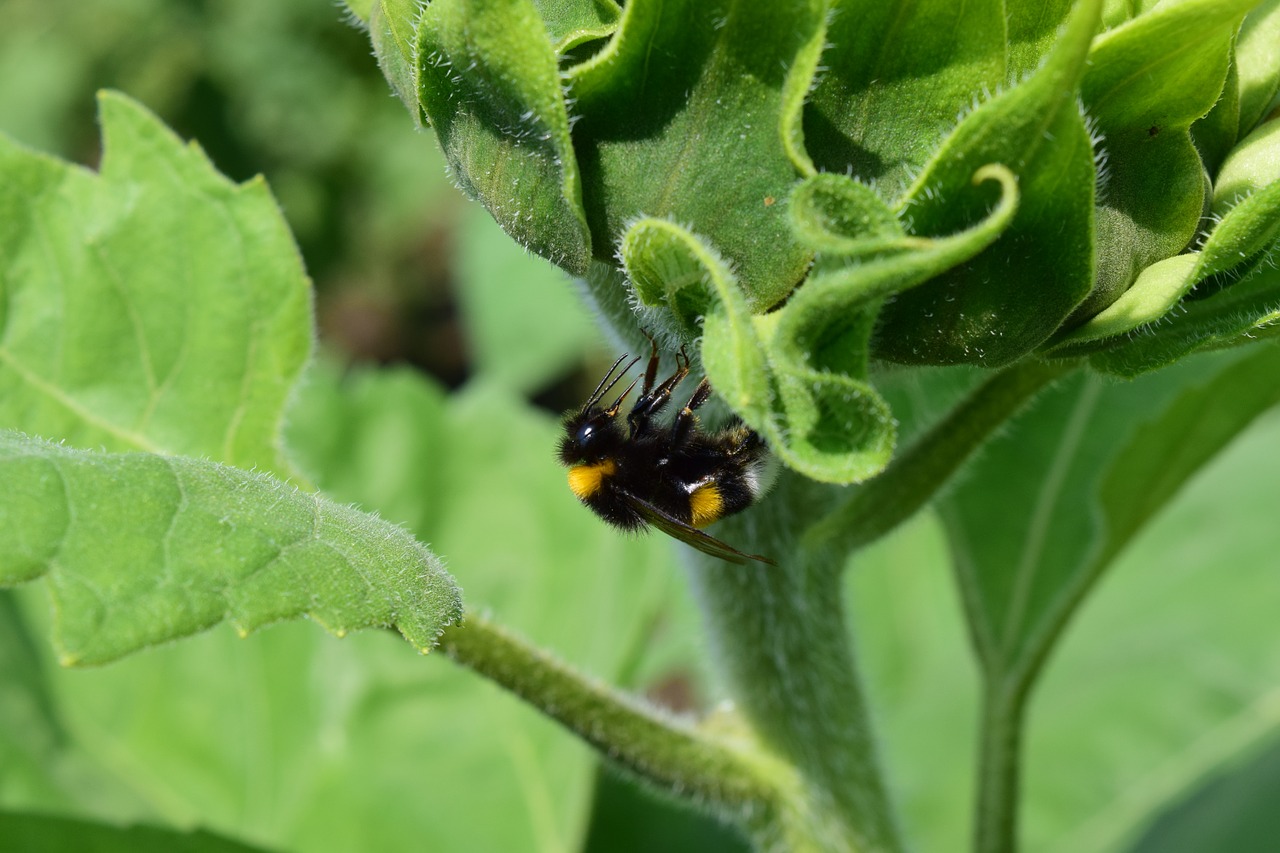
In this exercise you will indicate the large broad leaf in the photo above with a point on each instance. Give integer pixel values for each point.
(139, 549)
(1047, 507)
(160, 307)
(1049, 504)
(1169, 675)
(153, 306)
(1166, 680)
(299, 743)
(1234, 810)
(33, 833)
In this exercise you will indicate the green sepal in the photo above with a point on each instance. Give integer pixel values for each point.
(1257, 58)
(1010, 299)
(570, 23)
(1032, 29)
(1216, 133)
(393, 28)
(687, 115)
(360, 10)
(799, 375)
(1221, 308)
(1238, 315)
(896, 76)
(490, 84)
(1144, 98)
(140, 549)
(671, 267)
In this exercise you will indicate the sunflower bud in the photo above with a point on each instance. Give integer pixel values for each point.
(811, 185)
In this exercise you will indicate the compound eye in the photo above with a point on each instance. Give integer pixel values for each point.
(586, 433)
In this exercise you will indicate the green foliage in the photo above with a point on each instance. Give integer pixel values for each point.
(55, 835)
(797, 194)
(114, 280)
(709, 118)
(102, 349)
(979, 312)
(140, 548)
(489, 86)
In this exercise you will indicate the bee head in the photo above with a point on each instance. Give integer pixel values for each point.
(590, 436)
(593, 433)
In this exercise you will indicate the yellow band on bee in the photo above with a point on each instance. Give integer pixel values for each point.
(585, 480)
(705, 504)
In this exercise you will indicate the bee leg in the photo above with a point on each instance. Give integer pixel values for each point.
(655, 399)
(685, 419)
(651, 370)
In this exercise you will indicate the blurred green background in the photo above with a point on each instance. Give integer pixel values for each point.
(444, 341)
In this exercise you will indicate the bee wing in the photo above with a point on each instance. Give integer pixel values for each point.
(690, 535)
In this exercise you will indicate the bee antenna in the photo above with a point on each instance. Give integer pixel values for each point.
(603, 389)
(617, 404)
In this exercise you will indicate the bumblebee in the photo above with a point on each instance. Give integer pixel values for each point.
(668, 475)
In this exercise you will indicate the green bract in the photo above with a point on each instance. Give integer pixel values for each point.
(781, 179)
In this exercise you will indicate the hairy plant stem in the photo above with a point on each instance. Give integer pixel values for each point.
(915, 475)
(734, 780)
(783, 648)
(999, 768)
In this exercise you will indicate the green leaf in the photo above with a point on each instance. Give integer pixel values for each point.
(32, 833)
(1246, 232)
(1047, 506)
(572, 22)
(362, 10)
(392, 31)
(1234, 810)
(1174, 658)
(1144, 97)
(139, 549)
(832, 427)
(154, 306)
(799, 375)
(1258, 63)
(30, 730)
(1165, 680)
(1033, 29)
(1215, 133)
(922, 684)
(1222, 310)
(472, 473)
(1235, 316)
(897, 76)
(981, 312)
(838, 427)
(489, 83)
(1254, 166)
(688, 115)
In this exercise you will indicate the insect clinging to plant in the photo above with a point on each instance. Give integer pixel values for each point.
(671, 475)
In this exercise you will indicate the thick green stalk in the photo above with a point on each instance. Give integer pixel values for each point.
(915, 475)
(731, 779)
(783, 647)
(999, 769)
